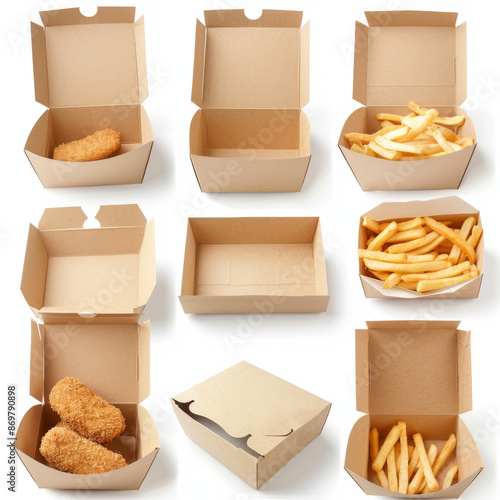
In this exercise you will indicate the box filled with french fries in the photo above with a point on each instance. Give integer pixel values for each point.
(421, 249)
(413, 380)
(410, 73)
(90, 73)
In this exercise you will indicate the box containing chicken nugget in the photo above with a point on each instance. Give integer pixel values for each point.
(421, 249)
(90, 72)
(410, 132)
(89, 430)
(106, 272)
(413, 380)
(250, 420)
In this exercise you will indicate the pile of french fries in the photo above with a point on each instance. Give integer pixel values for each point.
(410, 469)
(419, 135)
(421, 254)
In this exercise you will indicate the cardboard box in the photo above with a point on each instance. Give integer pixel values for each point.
(386, 84)
(254, 265)
(113, 361)
(449, 208)
(90, 72)
(435, 357)
(251, 421)
(106, 273)
(250, 81)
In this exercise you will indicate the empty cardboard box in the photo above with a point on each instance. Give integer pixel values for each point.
(90, 72)
(420, 372)
(251, 421)
(451, 208)
(108, 272)
(386, 84)
(250, 81)
(113, 361)
(254, 265)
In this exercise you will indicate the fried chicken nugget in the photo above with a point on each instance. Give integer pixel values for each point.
(85, 412)
(67, 451)
(97, 146)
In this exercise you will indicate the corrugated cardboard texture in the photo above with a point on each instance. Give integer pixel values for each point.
(450, 208)
(276, 418)
(254, 257)
(108, 270)
(389, 354)
(250, 79)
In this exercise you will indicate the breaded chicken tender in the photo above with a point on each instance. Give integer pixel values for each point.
(85, 412)
(97, 146)
(67, 451)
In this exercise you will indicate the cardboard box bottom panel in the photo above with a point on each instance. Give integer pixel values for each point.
(435, 429)
(138, 445)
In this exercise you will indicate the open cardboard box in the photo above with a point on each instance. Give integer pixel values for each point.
(113, 361)
(449, 208)
(386, 84)
(108, 272)
(254, 265)
(90, 72)
(250, 81)
(420, 372)
(251, 421)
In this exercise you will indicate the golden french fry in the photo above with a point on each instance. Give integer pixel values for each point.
(396, 146)
(371, 224)
(432, 458)
(448, 134)
(392, 475)
(453, 237)
(412, 245)
(414, 461)
(429, 247)
(381, 275)
(387, 446)
(386, 130)
(382, 238)
(358, 137)
(387, 123)
(473, 240)
(394, 135)
(442, 141)
(422, 157)
(445, 273)
(408, 286)
(369, 152)
(374, 448)
(428, 120)
(358, 149)
(389, 117)
(465, 142)
(403, 468)
(453, 146)
(429, 285)
(418, 478)
(448, 447)
(466, 228)
(383, 256)
(450, 475)
(413, 268)
(441, 256)
(355, 142)
(429, 257)
(392, 281)
(384, 153)
(443, 120)
(424, 461)
(410, 234)
(370, 239)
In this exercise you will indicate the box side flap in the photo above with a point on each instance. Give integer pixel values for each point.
(236, 18)
(140, 56)
(148, 435)
(468, 458)
(464, 372)
(362, 371)
(319, 263)
(252, 68)
(39, 53)
(437, 207)
(357, 450)
(147, 264)
(62, 218)
(27, 432)
(199, 63)
(189, 270)
(254, 229)
(84, 351)
(360, 73)
(120, 216)
(34, 269)
(395, 80)
(246, 401)
(73, 16)
(143, 360)
(417, 325)
(36, 362)
(461, 64)
(411, 18)
(304, 63)
(422, 354)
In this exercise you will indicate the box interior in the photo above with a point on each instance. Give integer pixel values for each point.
(253, 256)
(250, 133)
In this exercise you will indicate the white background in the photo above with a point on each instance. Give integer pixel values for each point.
(315, 352)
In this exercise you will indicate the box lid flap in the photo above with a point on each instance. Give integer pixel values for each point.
(437, 207)
(427, 63)
(413, 368)
(62, 218)
(249, 402)
(120, 216)
(242, 63)
(36, 363)
(89, 352)
(89, 61)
